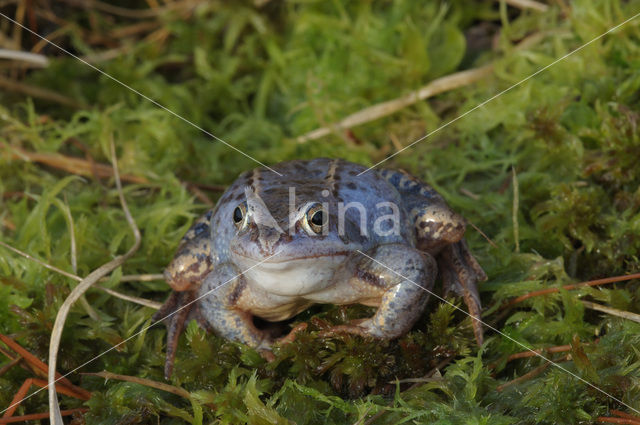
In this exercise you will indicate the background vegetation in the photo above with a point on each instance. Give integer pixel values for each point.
(548, 171)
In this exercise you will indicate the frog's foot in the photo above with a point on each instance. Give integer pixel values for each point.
(354, 327)
(179, 308)
(461, 273)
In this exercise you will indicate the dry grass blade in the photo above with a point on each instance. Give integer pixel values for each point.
(38, 92)
(73, 165)
(528, 4)
(126, 278)
(440, 85)
(137, 300)
(31, 58)
(74, 257)
(146, 382)
(612, 311)
(80, 289)
(141, 277)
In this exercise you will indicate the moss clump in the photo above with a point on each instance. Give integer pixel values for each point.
(258, 76)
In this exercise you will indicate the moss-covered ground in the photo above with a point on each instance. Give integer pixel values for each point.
(548, 171)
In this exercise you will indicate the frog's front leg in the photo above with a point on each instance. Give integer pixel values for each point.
(192, 260)
(401, 277)
(220, 293)
(212, 304)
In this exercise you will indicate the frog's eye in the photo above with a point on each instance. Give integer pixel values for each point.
(239, 215)
(316, 219)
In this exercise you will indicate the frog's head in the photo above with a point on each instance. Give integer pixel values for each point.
(290, 238)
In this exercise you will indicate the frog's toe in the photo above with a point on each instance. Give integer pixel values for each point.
(267, 354)
(362, 327)
(175, 312)
(291, 336)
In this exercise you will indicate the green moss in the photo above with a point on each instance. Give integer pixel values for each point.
(258, 77)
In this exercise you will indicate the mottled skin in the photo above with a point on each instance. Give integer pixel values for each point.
(273, 266)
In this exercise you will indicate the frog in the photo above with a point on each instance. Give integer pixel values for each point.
(320, 231)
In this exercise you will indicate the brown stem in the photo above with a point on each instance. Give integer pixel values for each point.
(8, 366)
(36, 416)
(532, 374)
(624, 415)
(570, 287)
(31, 359)
(626, 421)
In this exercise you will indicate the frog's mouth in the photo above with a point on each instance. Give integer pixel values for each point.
(287, 276)
(278, 257)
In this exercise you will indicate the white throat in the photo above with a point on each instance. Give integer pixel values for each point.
(291, 277)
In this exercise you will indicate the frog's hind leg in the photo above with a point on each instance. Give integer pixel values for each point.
(460, 273)
(440, 232)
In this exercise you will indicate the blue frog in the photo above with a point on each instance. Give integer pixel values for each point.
(318, 231)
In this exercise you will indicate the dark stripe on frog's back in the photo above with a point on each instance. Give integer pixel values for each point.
(416, 195)
(198, 227)
(407, 184)
(332, 177)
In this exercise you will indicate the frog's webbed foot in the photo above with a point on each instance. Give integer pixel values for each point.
(179, 308)
(461, 273)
